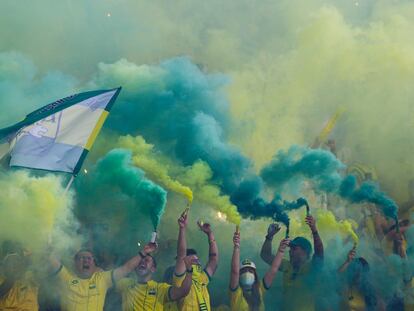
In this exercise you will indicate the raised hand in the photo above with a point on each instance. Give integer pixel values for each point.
(205, 227)
(272, 230)
(283, 245)
(150, 248)
(351, 255)
(183, 220)
(236, 239)
(311, 222)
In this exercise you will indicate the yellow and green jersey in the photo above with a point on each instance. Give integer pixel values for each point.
(149, 296)
(22, 296)
(83, 294)
(198, 299)
(238, 301)
(295, 282)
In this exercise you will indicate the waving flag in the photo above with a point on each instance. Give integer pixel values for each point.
(57, 137)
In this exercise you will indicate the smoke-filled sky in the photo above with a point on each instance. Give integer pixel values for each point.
(291, 65)
(217, 88)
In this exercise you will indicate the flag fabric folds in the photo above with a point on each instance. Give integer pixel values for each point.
(57, 137)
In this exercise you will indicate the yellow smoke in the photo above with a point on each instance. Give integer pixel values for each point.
(143, 157)
(327, 224)
(198, 176)
(29, 206)
(328, 128)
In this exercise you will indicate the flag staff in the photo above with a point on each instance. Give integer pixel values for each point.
(72, 178)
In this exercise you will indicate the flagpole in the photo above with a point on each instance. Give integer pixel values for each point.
(72, 178)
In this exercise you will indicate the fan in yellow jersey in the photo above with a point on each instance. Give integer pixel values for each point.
(144, 294)
(358, 293)
(198, 298)
(246, 290)
(18, 290)
(168, 278)
(298, 268)
(86, 288)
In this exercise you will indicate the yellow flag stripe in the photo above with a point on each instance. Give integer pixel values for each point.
(96, 130)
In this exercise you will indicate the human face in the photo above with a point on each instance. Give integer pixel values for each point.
(297, 254)
(194, 258)
(247, 278)
(146, 267)
(85, 264)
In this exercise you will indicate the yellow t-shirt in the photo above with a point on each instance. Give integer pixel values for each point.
(294, 283)
(409, 296)
(171, 306)
(22, 296)
(198, 291)
(239, 303)
(353, 300)
(78, 294)
(150, 296)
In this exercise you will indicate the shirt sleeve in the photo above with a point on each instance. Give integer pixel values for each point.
(178, 279)
(64, 275)
(123, 284)
(165, 289)
(205, 278)
(107, 278)
(235, 296)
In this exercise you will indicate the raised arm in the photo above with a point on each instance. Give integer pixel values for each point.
(131, 264)
(235, 262)
(277, 260)
(401, 251)
(317, 242)
(213, 255)
(51, 256)
(266, 252)
(176, 293)
(181, 244)
(351, 255)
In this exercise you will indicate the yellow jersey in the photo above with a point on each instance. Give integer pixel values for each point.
(239, 303)
(198, 299)
(22, 296)
(78, 294)
(297, 282)
(353, 300)
(150, 296)
(171, 306)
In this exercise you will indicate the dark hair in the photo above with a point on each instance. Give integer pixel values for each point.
(191, 251)
(82, 250)
(254, 300)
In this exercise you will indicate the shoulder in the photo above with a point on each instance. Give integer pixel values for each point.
(125, 283)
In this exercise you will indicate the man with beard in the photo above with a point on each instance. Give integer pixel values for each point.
(198, 298)
(86, 288)
(142, 293)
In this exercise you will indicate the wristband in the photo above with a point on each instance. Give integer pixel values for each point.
(269, 238)
(142, 255)
(189, 270)
(212, 255)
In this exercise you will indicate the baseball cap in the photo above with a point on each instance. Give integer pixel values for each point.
(247, 263)
(302, 243)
